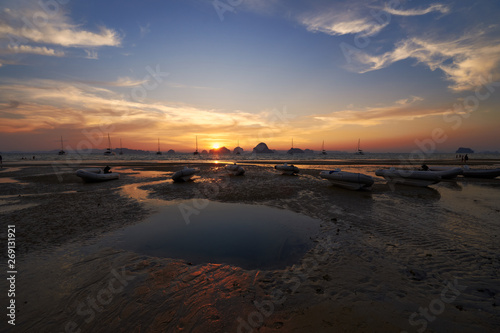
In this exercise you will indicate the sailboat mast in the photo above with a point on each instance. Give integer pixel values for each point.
(196, 151)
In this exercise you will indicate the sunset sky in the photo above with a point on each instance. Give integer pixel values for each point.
(398, 75)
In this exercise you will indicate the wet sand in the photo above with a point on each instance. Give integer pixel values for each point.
(385, 260)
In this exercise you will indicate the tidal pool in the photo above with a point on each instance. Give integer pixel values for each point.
(248, 236)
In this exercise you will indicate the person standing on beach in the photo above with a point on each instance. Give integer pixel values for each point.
(466, 158)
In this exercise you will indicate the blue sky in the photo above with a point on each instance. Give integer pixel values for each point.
(388, 72)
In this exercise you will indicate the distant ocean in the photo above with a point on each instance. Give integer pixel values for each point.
(75, 158)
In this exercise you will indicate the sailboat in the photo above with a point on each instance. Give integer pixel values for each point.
(62, 152)
(291, 149)
(159, 151)
(359, 151)
(238, 148)
(121, 148)
(196, 151)
(323, 151)
(108, 151)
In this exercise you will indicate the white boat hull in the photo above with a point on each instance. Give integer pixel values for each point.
(92, 175)
(347, 180)
(235, 170)
(185, 174)
(287, 169)
(409, 177)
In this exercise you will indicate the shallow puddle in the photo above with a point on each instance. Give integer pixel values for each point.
(248, 236)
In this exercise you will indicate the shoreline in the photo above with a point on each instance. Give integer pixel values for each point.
(353, 162)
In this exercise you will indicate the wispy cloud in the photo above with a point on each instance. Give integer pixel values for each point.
(46, 104)
(357, 17)
(57, 31)
(120, 82)
(184, 86)
(40, 50)
(443, 9)
(402, 110)
(466, 61)
(21, 26)
(334, 24)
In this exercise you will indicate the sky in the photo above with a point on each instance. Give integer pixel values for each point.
(397, 75)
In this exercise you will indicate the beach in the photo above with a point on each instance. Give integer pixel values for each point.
(389, 259)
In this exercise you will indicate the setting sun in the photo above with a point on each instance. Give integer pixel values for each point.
(215, 146)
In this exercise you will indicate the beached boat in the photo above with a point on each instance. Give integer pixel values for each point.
(446, 172)
(92, 175)
(481, 173)
(235, 169)
(287, 169)
(409, 177)
(185, 174)
(348, 180)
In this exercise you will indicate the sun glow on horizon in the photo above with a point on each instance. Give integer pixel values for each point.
(215, 146)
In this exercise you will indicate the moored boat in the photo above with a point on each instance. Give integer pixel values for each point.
(235, 169)
(347, 180)
(481, 173)
(287, 169)
(61, 152)
(92, 175)
(108, 151)
(409, 177)
(185, 174)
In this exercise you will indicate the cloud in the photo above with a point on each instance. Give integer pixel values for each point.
(361, 18)
(466, 61)
(40, 50)
(51, 104)
(24, 23)
(401, 110)
(184, 86)
(120, 82)
(332, 24)
(58, 33)
(416, 12)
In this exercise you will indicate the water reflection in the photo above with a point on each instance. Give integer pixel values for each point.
(248, 236)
